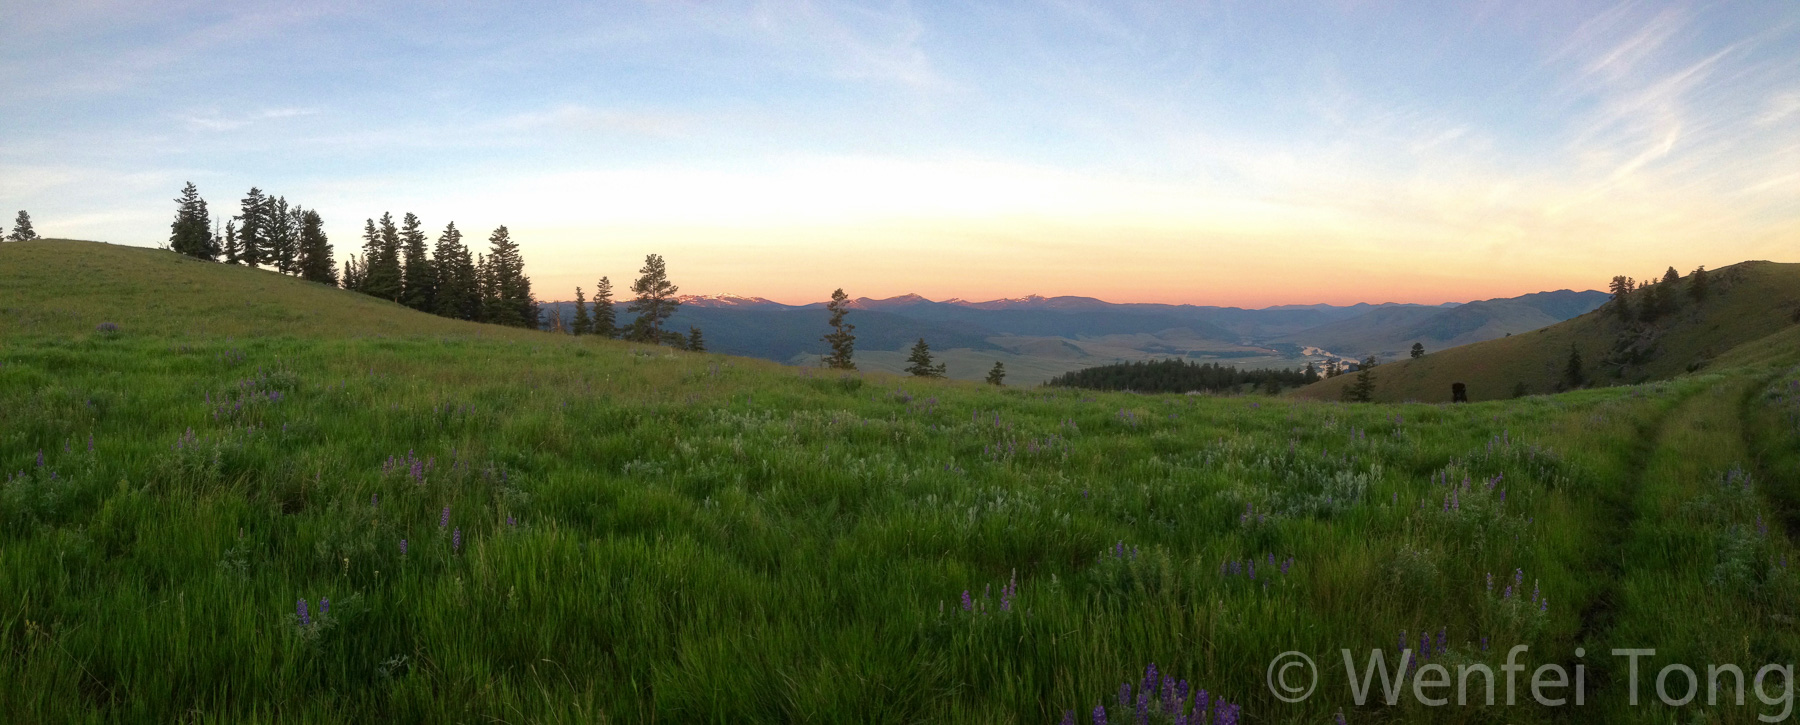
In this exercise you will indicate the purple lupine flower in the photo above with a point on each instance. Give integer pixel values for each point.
(1124, 694)
(1143, 708)
(1490, 583)
(444, 520)
(1228, 713)
(1424, 644)
(1099, 715)
(1201, 708)
(1286, 564)
(324, 605)
(403, 547)
(305, 619)
(1181, 695)
(1443, 639)
(456, 542)
(968, 602)
(374, 500)
(1341, 720)
(40, 459)
(1068, 715)
(1508, 593)
(1519, 578)
(1168, 695)
(1484, 644)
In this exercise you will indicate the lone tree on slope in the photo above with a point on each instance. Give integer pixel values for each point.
(997, 374)
(1363, 390)
(1697, 284)
(842, 342)
(1418, 350)
(606, 319)
(1573, 375)
(191, 234)
(582, 324)
(920, 358)
(695, 343)
(22, 231)
(655, 300)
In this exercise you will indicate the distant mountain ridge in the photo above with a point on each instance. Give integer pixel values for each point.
(1071, 329)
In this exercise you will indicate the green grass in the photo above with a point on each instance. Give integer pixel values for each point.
(701, 538)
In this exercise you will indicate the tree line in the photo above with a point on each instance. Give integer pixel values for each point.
(1648, 301)
(1181, 376)
(395, 265)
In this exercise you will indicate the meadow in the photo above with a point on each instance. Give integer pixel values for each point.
(414, 520)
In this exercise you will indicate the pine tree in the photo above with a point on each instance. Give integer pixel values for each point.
(416, 272)
(381, 259)
(921, 366)
(22, 231)
(1621, 289)
(488, 292)
(694, 342)
(284, 236)
(315, 263)
(253, 231)
(997, 374)
(1363, 390)
(606, 319)
(1418, 350)
(233, 250)
(458, 286)
(1697, 284)
(510, 289)
(841, 339)
(1333, 369)
(191, 234)
(1573, 375)
(353, 274)
(1650, 301)
(583, 324)
(655, 300)
(1311, 373)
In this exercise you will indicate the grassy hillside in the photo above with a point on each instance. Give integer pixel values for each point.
(61, 287)
(519, 527)
(1750, 301)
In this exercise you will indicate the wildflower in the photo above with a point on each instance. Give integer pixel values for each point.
(1068, 715)
(304, 618)
(1099, 715)
(374, 500)
(968, 602)
(403, 547)
(456, 542)
(40, 460)
(324, 605)
(444, 520)
(1340, 719)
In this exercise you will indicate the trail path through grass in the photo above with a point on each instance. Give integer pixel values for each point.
(1695, 576)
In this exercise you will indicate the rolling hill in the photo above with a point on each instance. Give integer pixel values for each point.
(60, 287)
(1749, 302)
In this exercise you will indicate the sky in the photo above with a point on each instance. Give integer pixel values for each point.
(1235, 153)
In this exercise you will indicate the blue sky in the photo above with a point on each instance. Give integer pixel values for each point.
(1215, 153)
